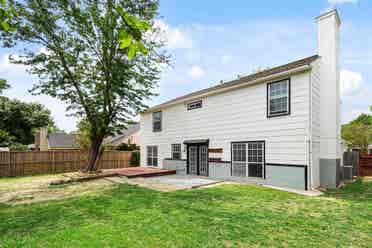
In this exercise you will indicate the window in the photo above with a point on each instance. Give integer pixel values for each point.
(194, 105)
(156, 121)
(176, 151)
(152, 156)
(278, 98)
(248, 159)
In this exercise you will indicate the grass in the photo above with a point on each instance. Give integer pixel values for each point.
(223, 216)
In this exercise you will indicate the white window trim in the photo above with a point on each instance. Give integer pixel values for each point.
(190, 104)
(173, 151)
(161, 122)
(269, 98)
(247, 162)
(151, 155)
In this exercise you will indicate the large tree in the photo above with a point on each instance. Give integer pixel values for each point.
(358, 133)
(19, 120)
(99, 57)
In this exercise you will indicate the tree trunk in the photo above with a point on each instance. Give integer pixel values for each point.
(95, 152)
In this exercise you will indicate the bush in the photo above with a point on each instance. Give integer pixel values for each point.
(126, 147)
(18, 147)
(135, 159)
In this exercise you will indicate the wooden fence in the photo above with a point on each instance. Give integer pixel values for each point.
(59, 161)
(365, 165)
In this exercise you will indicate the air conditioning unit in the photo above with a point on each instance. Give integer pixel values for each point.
(347, 172)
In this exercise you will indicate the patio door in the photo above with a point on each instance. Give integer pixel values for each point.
(193, 160)
(197, 161)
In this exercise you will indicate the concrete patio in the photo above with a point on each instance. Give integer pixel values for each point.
(167, 183)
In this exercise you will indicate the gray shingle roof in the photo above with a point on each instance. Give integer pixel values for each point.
(125, 134)
(61, 140)
(243, 79)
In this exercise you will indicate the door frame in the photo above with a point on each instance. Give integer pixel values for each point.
(198, 145)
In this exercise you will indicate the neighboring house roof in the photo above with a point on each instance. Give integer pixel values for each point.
(242, 80)
(61, 140)
(126, 133)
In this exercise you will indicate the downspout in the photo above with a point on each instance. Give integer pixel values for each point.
(310, 131)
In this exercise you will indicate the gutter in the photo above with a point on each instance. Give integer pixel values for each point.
(310, 133)
(297, 70)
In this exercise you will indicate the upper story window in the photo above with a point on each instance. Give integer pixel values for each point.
(278, 102)
(176, 151)
(194, 105)
(156, 121)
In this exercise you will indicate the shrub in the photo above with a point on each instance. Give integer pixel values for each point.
(135, 159)
(126, 147)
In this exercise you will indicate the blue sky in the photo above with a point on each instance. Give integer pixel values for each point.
(210, 41)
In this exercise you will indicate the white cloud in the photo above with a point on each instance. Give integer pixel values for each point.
(226, 59)
(45, 51)
(196, 71)
(174, 37)
(342, 1)
(6, 67)
(351, 82)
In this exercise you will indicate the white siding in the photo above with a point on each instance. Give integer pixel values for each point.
(237, 115)
(315, 122)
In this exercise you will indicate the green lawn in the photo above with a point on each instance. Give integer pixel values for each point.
(223, 216)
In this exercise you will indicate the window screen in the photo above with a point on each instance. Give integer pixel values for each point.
(176, 151)
(194, 105)
(278, 101)
(152, 156)
(156, 121)
(248, 159)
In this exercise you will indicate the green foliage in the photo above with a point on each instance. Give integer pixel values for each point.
(3, 85)
(6, 139)
(18, 147)
(7, 14)
(83, 139)
(131, 32)
(358, 133)
(135, 159)
(126, 147)
(19, 120)
(364, 119)
(99, 60)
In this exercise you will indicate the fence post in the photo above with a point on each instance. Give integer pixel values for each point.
(53, 163)
(13, 171)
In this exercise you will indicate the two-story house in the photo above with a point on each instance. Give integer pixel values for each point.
(280, 126)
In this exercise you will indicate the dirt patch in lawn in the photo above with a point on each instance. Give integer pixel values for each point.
(27, 190)
(367, 179)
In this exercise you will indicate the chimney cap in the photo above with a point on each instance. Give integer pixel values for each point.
(328, 14)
